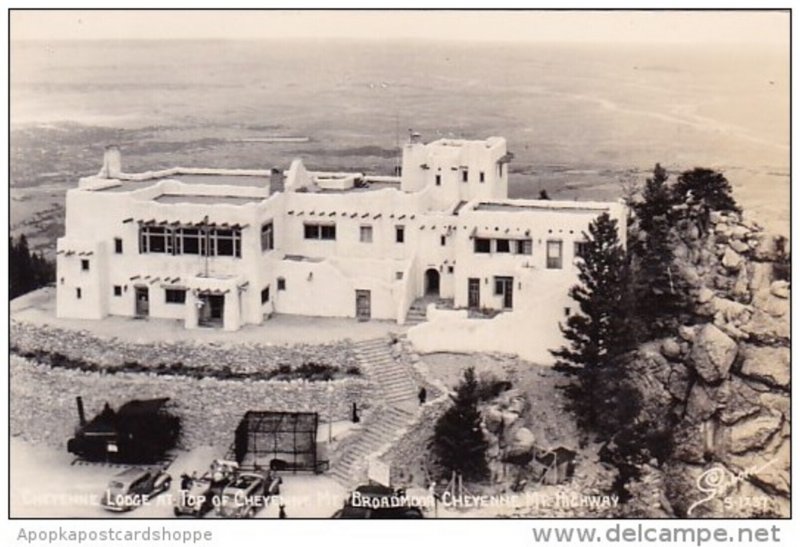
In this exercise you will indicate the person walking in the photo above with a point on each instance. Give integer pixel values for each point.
(281, 511)
(423, 395)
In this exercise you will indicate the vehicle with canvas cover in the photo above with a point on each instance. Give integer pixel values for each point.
(138, 432)
(134, 487)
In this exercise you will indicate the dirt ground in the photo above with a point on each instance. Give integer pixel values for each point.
(38, 308)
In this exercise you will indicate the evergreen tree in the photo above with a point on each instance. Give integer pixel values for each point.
(601, 330)
(26, 271)
(661, 293)
(657, 200)
(706, 189)
(458, 441)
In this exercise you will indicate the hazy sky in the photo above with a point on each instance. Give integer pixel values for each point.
(580, 26)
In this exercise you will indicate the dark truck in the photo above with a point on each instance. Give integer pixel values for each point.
(138, 432)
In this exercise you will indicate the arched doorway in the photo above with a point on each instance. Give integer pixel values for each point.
(432, 282)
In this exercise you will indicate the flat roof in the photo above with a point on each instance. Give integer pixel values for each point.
(368, 187)
(207, 199)
(526, 207)
(128, 185)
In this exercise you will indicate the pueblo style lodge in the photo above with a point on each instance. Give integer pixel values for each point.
(226, 248)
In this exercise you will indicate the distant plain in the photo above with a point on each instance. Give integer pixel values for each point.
(579, 119)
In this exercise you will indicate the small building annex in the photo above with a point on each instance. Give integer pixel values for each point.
(226, 248)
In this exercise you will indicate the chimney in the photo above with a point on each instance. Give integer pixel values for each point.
(276, 181)
(414, 137)
(112, 163)
(81, 414)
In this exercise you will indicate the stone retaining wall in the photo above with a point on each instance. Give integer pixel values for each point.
(43, 408)
(243, 358)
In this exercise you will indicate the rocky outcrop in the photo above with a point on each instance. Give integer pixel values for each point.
(724, 381)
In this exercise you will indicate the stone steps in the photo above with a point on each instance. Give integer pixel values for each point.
(398, 388)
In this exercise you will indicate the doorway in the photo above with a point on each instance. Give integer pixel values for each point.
(142, 301)
(431, 282)
(474, 293)
(211, 310)
(504, 286)
(363, 305)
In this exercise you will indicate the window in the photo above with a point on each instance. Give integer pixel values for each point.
(398, 275)
(443, 240)
(117, 290)
(524, 247)
(438, 179)
(365, 234)
(581, 247)
(554, 255)
(450, 269)
(567, 311)
(281, 284)
(223, 243)
(175, 296)
(153, 239)
(502, 285)
(190, 241)
(464, 175)
(503, 245)
(482, 176)
(118, 245)
(265, 295)
(320, 231)
(482, 245)
(85, 265)
(78, 293)
(267, 237)
(500, 169)
(400, 234)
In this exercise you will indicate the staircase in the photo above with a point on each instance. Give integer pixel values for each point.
(400, 398)
(417, 313)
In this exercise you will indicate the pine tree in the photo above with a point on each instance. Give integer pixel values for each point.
(458, 441)
(26, 271)
(661, 292)
(708, 190)
(657, 200)
(601, 330)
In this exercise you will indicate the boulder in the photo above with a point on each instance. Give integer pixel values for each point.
(766, 329)
(700, 406)
(739, 246)
(713, 353)
(687, 333)
(671, 349)
(740, 232)
(780, 289)
(753, 433)
(524, 438)
(731, 259)
(730, 310)
(771, 365)
(705, 295)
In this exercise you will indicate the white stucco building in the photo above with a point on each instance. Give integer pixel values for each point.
(225, 248)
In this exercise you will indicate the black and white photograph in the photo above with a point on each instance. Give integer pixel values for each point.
(399, 264)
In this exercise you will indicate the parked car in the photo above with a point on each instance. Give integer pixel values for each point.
(134, 487)
(247, 494)
(373, 501)
(199, 495)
